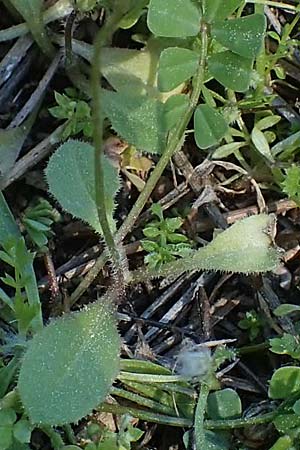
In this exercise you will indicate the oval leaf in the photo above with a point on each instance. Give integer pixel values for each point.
(71, 178)
(284, 310)
(218, 9)
(245, 247)
(261, 144)
(70, 365)
(169, 20)
(176, 65)
(137, 119)
(231, 70)
(209, 125)
(224, 404)
(284, 382)
(243, 36)
(175, 107)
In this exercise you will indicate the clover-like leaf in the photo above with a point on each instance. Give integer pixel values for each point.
(69, 366)
(175, 107)
(173, 20)
(284, 382)
(210, 126)
(71, 178)
(231, 70)
(243, 36)
(218, 9)
(224, 404)
(175, 66)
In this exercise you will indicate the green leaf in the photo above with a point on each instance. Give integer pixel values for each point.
(261, 144)
(71, 178)
(134, 14)
(169, 20)
(291, 184)
(286, 345)
(284, 423)
(283, 443)
(284, 310)
(284, 382)
(245, 247)
(267, 122)
(224, 404)
(176, 65)
(137, 119)
(22, 431)
(227, 149)
(231, 70)
(5, 437)
(7, 417)
(243, 36)
(70, 365)
(11, 142)
(175, 107)
(218, 9)
(212, 441)
(210, 127)
(32, 10)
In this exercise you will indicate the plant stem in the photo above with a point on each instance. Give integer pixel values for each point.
(145, 415)
(174, 142)
(274, 4)
(199, 430)
(103, 35)
(53, 435)
(59, 10)
(150, 378)
(143, 401)
(239, 423)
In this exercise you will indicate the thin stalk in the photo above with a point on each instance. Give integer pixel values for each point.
(239, 423)
(102, 37)
(199, 430)
(146, 416)
(150, 378)
(53, 435)
(275, 4)
(174, 143)
(142, 401)
(59, 10)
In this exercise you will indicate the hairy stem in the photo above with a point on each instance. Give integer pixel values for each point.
(199, 430)
(174, 143)
(102, 37)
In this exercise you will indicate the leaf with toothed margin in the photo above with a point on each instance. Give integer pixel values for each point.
(246, 247)
(71, 179)
(69, 366)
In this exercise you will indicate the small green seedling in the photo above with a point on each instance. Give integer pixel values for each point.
(253, 323)
(76, 113)
(163, 243)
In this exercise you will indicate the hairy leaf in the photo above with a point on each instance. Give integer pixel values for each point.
(173, 20)
(71, 179)
(176, 65)
(245, 247)
(137, 119)
(70, 365)
(231, 70)
(243, 36)
(210, 126)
